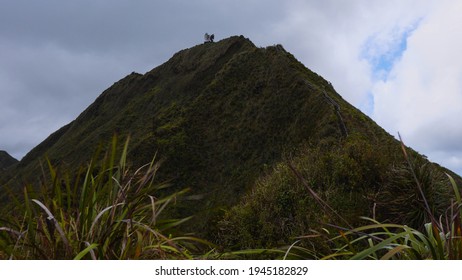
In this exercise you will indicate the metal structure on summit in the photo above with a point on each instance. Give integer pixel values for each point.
(209, 38)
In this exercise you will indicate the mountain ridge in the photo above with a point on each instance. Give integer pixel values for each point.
(6, 160)
(223, 117)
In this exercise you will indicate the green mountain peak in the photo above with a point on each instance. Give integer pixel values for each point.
(228, 119)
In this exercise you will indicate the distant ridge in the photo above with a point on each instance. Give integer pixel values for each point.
(6, 160)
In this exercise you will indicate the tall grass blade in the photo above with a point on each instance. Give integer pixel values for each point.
(290, 248)
(101, 214)
(455, 188)
(85, 251)
(419, 186)
(9, 230)
(123, 157)
(55, 222)
(395, 251)
(321, 202)
(380, 246)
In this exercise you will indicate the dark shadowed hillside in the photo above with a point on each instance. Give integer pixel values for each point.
(6, 160)
(228, 120)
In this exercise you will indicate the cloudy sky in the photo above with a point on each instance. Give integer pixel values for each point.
(398, 61)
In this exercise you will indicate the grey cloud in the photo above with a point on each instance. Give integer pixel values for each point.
(126, 25)
(439, 135)
(58, 56)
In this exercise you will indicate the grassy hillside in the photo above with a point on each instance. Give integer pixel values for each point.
(6, 161)
(232, 122)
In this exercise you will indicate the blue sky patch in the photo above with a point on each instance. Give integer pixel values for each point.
(382, 50)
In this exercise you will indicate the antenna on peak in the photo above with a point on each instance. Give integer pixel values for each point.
(209, 38)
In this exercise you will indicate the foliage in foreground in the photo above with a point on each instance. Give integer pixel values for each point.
(422, 219)
(439, 237)
(108, 211)
(347, 175)
(105, 212)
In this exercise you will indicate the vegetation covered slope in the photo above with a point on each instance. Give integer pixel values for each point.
(6, 160)
(229, 120)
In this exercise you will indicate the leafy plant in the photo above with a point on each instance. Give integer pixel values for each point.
(402, 201)
(106, 211)
(439, 236)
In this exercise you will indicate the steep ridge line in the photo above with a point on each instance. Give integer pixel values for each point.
(336, 106)
(342, 125)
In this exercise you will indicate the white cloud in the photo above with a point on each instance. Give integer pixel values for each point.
(330, 38)
(382, 50)
(398, 61)
(423, 96)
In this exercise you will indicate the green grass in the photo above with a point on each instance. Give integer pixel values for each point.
(437, 234)
(106, 211)
(346, 174)
(109, 211)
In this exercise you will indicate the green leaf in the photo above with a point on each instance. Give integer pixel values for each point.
(382, 245)
(394, 251)
(85, 251)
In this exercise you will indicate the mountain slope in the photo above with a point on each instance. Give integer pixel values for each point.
(6, 160)
(228, 119)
